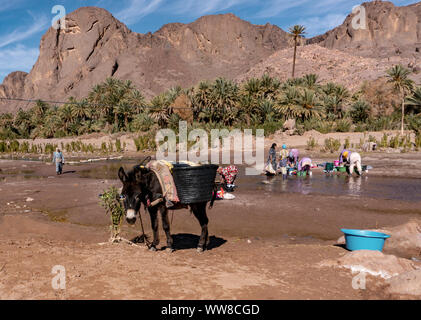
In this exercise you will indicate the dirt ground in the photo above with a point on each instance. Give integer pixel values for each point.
(263, 245)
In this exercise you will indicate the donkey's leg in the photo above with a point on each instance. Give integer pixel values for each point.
(166, 227)
(199, 211)
(153, 212)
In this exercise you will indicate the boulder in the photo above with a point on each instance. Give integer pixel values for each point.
(408, 283)
(289, 125)
(375, 263)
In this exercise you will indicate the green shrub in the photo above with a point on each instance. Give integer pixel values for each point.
(332, 145)
(360, 111)
(3, 146)
(418, 141)
(384, 141)
(347, 143)
(343, 125)
(118, 145)
(311, 143)
(104, 148)
(394, 142)
(14, 146)
(145, 142)
(24, 147)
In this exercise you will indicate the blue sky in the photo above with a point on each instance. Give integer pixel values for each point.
(23, 22)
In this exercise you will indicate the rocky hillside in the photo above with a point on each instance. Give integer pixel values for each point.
(94, 46)
(390, 30)
(329, 64)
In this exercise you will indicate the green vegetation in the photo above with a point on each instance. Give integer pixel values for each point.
(311, 143)
(398, 76)
(259, 103)
(110, 200)
(332, 145)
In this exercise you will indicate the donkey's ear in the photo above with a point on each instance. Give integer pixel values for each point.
(122, 175)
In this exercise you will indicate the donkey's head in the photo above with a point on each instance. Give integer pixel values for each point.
(131, 192)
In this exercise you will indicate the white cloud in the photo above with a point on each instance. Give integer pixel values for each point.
(318, 25)
(199, 8)
(137, 9)
(39, 24)
(19, 58)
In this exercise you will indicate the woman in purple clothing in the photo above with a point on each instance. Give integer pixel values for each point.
(293, 157)
(305, 165)
(341, 156)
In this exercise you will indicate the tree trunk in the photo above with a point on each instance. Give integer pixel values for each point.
(295, 55)
(403, 114)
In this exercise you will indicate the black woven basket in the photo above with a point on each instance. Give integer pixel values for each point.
(194, 184)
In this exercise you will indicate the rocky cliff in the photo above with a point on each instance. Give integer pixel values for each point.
(94, 46)
(389, 31)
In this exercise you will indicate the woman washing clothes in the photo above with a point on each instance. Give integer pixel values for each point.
(305, 166)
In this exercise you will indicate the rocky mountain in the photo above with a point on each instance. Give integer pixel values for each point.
(94, 46)
(331, 65)
(389, 31)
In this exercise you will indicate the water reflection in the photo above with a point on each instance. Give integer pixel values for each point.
(341, 185)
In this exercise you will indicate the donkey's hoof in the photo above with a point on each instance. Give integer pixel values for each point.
(152, 249)
(169, 250)
(200, 250)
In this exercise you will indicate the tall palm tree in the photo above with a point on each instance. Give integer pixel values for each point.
(297, 32)
(398, 76)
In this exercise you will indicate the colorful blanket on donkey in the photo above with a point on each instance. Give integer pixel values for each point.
(163, 172)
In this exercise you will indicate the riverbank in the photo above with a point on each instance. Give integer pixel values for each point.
(264, 244)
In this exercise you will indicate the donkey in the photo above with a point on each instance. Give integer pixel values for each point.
(141, 186)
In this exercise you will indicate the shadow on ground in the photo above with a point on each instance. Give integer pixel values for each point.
(186, 241)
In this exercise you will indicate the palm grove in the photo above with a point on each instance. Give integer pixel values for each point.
(266, 102)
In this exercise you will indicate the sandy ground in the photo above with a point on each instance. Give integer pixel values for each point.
(262, 246)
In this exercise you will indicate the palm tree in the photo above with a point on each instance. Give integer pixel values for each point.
(414, 101)
(80, 110)
(297, 32)
(310, 81)
(398, 76)
(65, 113)
(23, 122)
(125, 110)
(160, 109)
(269, 86)
(310, 105)
(335, 100)
(224, 100)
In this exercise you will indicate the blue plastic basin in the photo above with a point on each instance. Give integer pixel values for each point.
(364, 239)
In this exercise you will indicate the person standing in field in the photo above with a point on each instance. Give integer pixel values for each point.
(58, 159)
